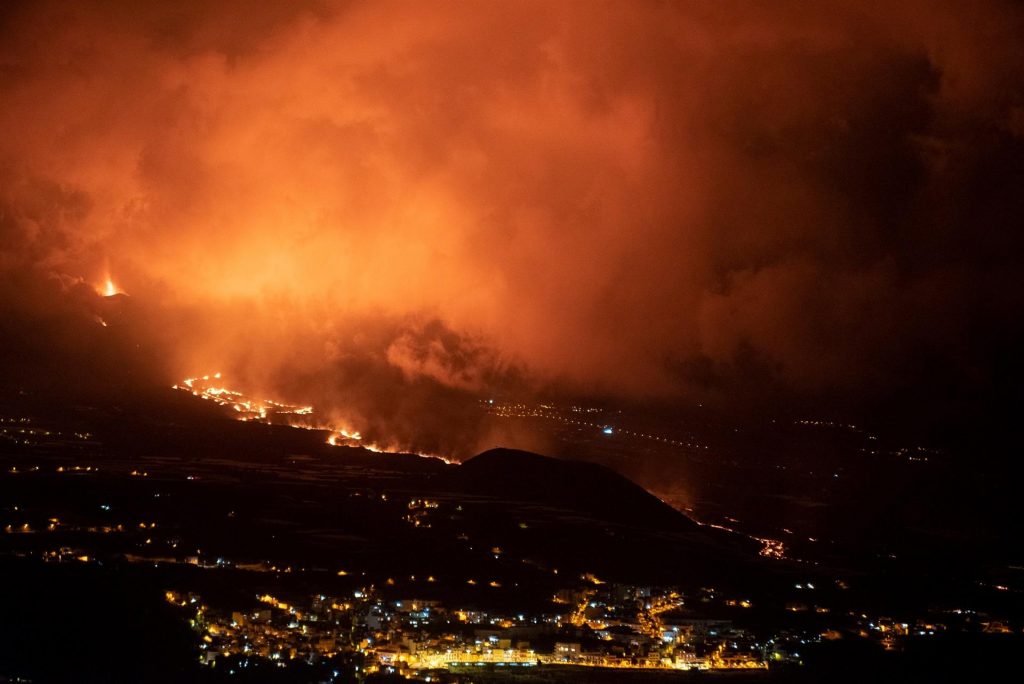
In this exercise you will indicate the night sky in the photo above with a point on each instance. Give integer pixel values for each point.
(390, 210)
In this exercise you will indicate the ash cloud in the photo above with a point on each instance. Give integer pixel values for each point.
(398, 207)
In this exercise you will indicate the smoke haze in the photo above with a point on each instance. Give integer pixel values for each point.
(393, 209)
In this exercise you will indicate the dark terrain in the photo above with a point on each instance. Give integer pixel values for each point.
(137, 488)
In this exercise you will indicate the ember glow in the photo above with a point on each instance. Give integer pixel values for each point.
(403, 206)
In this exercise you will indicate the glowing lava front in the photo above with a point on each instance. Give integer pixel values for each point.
(269, 411)
(264, 410)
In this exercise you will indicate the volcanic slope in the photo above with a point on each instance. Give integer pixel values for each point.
(585, 517)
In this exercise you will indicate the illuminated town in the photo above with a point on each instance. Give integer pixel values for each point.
(617, 627)
(447, 617)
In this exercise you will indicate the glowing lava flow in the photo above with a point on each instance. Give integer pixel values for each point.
(341, 437)
(269, 411)
(248, 409)
(770, 548)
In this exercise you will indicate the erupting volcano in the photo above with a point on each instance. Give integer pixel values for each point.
(504, 297)
(109, 289)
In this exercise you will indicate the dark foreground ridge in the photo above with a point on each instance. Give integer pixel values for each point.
(587, 488)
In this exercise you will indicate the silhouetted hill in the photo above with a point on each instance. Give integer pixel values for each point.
(586, 488)
(584, 517)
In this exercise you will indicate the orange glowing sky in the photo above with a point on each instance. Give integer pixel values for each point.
(639, 199)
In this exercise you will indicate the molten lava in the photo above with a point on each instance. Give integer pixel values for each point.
(269, 411)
